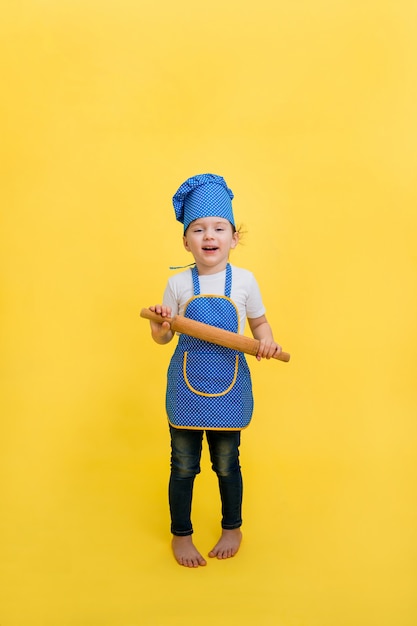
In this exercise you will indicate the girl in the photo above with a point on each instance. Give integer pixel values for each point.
(209, 387)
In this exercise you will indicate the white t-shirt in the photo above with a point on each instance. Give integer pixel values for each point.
(245, 292)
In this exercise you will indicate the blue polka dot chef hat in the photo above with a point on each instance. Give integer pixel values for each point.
(204, 195)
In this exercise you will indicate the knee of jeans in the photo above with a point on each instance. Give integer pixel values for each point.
(184, 467)
(225, 466)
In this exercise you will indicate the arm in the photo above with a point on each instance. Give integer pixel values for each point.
(161, 333)
(262, 331)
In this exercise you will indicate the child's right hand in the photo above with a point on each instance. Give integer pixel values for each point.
(161, 333)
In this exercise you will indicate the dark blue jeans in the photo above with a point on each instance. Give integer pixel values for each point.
(186, 446)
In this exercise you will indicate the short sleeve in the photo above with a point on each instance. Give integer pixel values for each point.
(254, 307)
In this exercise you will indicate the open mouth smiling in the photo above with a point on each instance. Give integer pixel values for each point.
(210, 248)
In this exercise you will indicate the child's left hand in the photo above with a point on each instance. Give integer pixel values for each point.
(261, 330)
(268, 349)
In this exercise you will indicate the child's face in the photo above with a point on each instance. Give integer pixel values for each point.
(210, 239)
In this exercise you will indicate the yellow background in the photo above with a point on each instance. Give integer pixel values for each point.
(308, 109)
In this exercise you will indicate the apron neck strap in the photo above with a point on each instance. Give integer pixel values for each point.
(227, 286)
(196, 282)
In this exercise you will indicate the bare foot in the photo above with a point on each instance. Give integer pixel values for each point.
(228, 544)
(186, 553)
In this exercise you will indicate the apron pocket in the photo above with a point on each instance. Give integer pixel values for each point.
(208, 374)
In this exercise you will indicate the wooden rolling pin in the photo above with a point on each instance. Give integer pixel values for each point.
(212, 334)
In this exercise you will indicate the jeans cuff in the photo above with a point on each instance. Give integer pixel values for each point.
(231, 526)
(182, 533)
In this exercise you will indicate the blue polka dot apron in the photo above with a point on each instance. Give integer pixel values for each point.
(209, 386)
